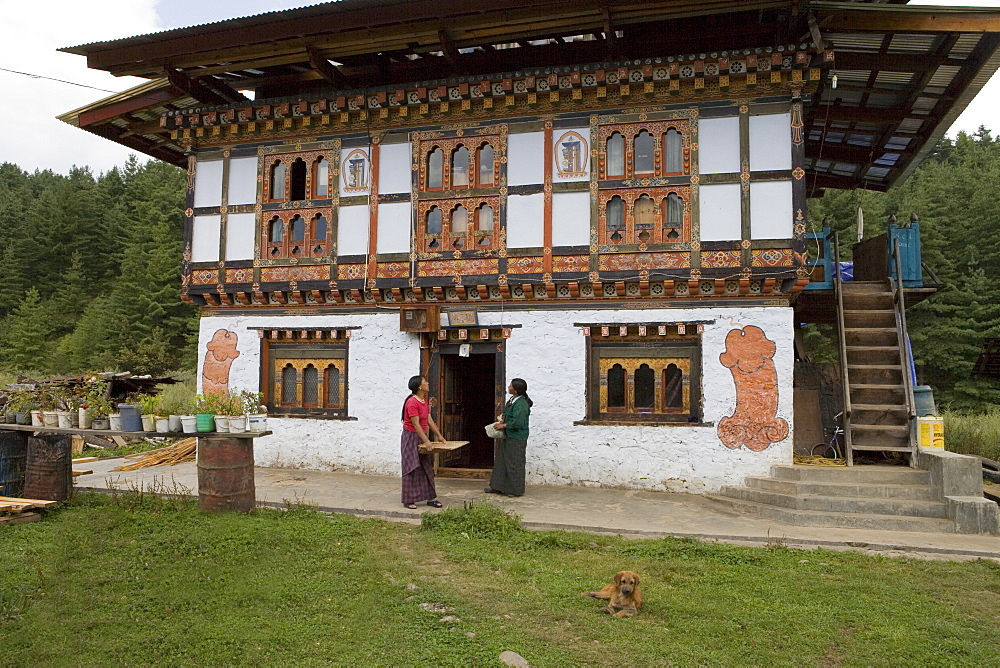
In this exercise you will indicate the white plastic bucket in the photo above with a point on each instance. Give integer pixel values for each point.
(257, 423)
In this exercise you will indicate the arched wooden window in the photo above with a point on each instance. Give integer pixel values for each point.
(321, 178)
(298, 235)
(459, 225)
(310, 386)
(298, 181)
(434, 220)
(673, 388)
(645, 391)
(675, 211)
(616, 155)
(616, 387)
(644, 216)
(643, 159)
(486, 165)
(276, 230)
(616, 217)
(277, 180)
(435, 169)
(288, 385)
(460, 168)
(332, 387)
(673, 152)
(319, 227)
(484, 223)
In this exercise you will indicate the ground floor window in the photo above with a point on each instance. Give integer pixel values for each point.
(644, 373)
(305, 373)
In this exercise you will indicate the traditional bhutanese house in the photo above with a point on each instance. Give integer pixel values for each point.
(605, 199)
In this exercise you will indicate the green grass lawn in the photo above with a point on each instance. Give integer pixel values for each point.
(139, 580)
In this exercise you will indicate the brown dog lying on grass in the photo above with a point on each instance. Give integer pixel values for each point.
(623, 595)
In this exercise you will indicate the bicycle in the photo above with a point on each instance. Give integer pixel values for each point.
(833, 449)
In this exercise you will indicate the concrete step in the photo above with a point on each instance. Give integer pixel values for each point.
(841, 504)
(864, 475)
(820, 518)
(844, 489)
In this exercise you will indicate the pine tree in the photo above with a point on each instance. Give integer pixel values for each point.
(26, 334)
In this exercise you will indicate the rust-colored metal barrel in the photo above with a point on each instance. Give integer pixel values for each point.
(225, 474)
(13, 457)
(48, 473)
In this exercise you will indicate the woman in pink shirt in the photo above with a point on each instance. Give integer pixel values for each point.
(418, 469)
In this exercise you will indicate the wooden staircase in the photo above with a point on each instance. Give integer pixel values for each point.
(877, 408)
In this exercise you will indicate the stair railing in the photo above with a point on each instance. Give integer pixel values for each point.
(842, 337)
(899, 303)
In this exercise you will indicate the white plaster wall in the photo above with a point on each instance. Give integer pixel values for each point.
(352, 230)
(549, 353)
(771, 210)
(770, 142)
(394, 227)
(242, 180)
(525, 221)
(719, 145)
(394, 167)
(571, 219)
(205, 238)
(525, 158)
(240, 233)
(719, 212)
(556, 149)
(208, 183)
(380, 361)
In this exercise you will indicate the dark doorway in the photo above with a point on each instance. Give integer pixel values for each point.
(468, 403)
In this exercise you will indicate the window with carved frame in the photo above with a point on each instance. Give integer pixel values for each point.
(644, 215)
(642, 150)
(300, 233)
(649, 374)
(459, 163)
(458, 224)
(305, 378)
(292, 177)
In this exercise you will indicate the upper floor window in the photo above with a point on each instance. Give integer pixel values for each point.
(487, 166)
(460, 167)
(290, 234)
(456, 164)
(644, 216)
(321, 178)
(648, 149)
(435, 169)
(296, 177)
(467, 225)
(297, 185)
(277, 190)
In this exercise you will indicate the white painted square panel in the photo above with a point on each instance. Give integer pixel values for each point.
(770, 142)
(394, 227)
(205, 238)
(719, 145)
(243, 180)
(395, 165)
(771, 210)
(719, 207)
(352, 230)
(571, 219)
(240, 234)
(208, 183)
(571, 154)
(525, 221)
(525, 158)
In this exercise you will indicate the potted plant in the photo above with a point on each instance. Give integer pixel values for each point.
(99, 409)
(149, 408)
(205, 406)
(173, 409)
(20, 403)
(92, 390)
(47, 402)
(256, 411)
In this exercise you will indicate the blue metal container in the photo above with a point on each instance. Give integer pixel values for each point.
(923, 400)
(131, 420)
(909, 254)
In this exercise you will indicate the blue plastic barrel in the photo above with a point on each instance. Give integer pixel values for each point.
(13, 457)
(131, 420)
(923, 400)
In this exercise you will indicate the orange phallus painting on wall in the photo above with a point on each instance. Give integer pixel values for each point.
(754, 423)
(219, 355)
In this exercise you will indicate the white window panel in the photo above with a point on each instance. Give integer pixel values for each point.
(208, 183)
(240, 234)
(352, 230)
(525, 221)
(571, 219)
(525, 158)
(205, 238)
(770, 142)
(395, 167)
(394, 227)
(242, 180)
(771, 210)
(719, 207)
(719, 145)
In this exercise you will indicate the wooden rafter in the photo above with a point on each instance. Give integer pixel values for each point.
(218, 93)
(327, 70)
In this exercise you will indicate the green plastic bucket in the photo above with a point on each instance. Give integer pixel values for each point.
(205, 422)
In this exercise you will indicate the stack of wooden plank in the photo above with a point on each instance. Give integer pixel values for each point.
(14, 510)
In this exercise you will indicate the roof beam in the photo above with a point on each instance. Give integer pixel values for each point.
(450, 51)
(144, 101)
(876, 18)
(892, 62)
(876, 116)
(195, 88)
(327, 70)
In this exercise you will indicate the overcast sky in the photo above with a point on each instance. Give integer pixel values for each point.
(32, 138)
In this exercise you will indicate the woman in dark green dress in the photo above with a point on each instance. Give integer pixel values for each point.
(508, 467)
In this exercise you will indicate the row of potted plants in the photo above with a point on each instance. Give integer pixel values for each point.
(87, 406)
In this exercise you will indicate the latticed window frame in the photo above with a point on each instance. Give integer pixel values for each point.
(658, 352)
(322, 355)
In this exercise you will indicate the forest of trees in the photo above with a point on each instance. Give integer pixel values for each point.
(90, 266)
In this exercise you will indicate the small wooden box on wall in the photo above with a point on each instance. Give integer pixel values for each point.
(419, 318)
